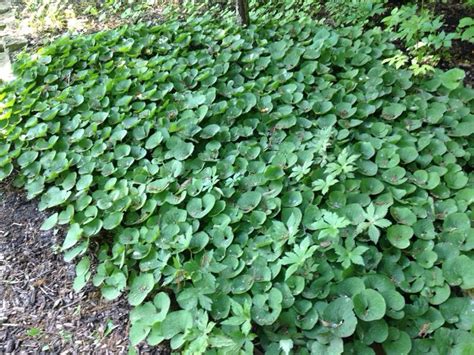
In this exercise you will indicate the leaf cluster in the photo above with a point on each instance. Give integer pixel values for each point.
(276, 186)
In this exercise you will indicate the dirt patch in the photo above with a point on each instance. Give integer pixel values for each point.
(40, 312)
(461, 53)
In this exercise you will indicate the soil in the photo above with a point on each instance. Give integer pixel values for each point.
(462, 52)
(40, 312)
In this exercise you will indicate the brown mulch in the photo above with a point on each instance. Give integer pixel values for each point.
(40, 312)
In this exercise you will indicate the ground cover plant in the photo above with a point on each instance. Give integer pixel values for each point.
(276, 187)
(428, 33)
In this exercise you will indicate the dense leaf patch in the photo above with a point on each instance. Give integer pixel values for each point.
(276, 186)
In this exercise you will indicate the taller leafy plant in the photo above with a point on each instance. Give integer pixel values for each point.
(419, 32)
(276, 187)
(465, 29)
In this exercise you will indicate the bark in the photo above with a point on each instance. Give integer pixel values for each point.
(242, 9)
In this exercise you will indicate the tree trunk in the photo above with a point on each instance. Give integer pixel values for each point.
(242, 9)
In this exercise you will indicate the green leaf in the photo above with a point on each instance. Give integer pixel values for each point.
(459, 271)
(140, 288)
(345, 110)
(394, 176)
(456, 180)
(292, 57)
(84, 182)
(154, 140)
(249, 200)
(333, 347)
(113, 220)
(176, 323)
(273, 172)
(200, 207)
(374, 331)
(267, 307)
(398, 342)
(82, 274)
(162, 303)
(122, 86)
(338, 317)
(5, 171)
(278, 49)
(66, 215)
(27, 158)
(393, 111)
(178, 149)
(399, 236)
(193, 100)
(456, 222)
(124, 101)
(73, 236)
(98, 92)
(138, 332)
(452, 78)
(369, 305)
(403, 215)
(55, 197)
(158, 186)
(50, 222)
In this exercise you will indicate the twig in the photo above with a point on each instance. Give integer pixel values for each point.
(47, 295)
(72, 303)
(11, 325)
(10, 282)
